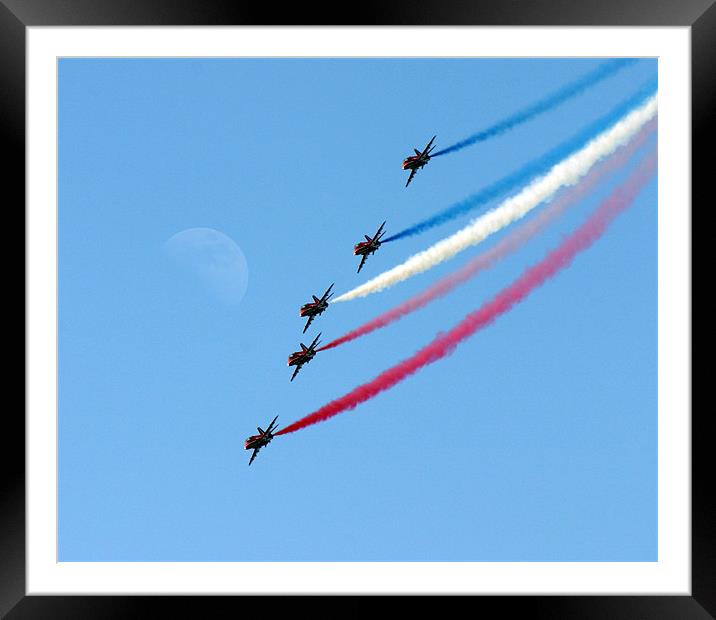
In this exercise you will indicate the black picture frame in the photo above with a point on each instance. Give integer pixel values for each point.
(17, 15)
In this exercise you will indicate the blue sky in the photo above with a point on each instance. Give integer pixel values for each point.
(535, 441)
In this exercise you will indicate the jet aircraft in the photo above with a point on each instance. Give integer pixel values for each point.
(417, 161)
(316, 307)
(305, 355)
(369, 246)
(256, 442)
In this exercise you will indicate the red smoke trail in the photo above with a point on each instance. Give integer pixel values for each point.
(619, 200)
(508, 244)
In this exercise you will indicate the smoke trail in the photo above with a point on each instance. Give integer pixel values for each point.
(602, 72)
(568, 172)
(508, 244)
(532, 169)
(444, 344)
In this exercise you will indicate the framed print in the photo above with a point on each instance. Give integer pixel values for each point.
(467, 232)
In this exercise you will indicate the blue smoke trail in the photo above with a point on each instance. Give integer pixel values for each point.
(602, 72)
(532, 169)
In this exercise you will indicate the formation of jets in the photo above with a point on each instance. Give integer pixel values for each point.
(315, 308)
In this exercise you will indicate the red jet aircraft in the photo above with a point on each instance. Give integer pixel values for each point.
(256, 442)
(305, 355)
(417, 161)
(316, 307)
(367, 247)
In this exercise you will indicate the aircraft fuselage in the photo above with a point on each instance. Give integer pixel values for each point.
(312, 309)
(300, 357)
(257, 441)
(366, 247)
(415, 162)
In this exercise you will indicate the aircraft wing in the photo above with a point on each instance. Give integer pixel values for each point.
(272, 426)
(253, 456)
(327, 294)
(410, 178)
(295, 372)
(308, 323)
(427, 148)
(315, 342)
(362, 261)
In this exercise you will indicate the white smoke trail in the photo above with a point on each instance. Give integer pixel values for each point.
(567, 172)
